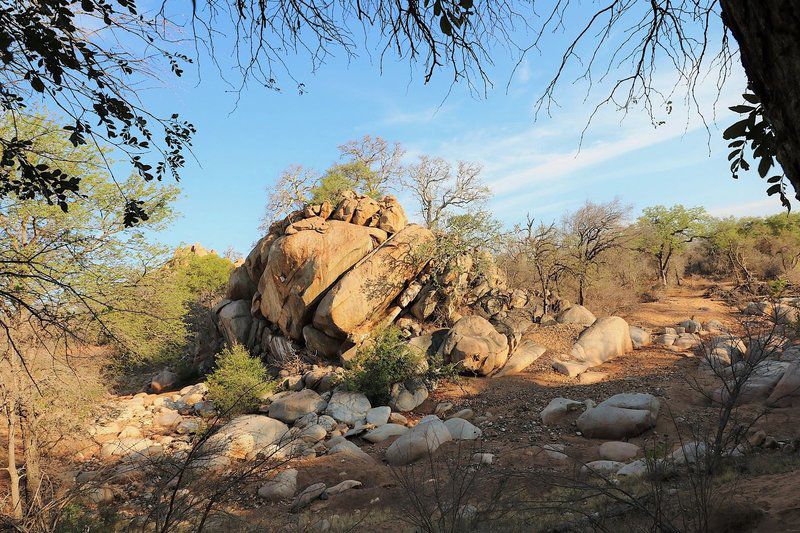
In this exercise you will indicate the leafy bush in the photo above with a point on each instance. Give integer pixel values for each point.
(168, 298)
(238, 381)
(381, 362)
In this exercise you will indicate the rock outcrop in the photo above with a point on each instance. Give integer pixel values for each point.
(605, 339)
(476, 346)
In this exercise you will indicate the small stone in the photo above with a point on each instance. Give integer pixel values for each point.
(442, 408)
(397, 418)
(308, 495)
(483, 458)
(343, 486)
(466, 414)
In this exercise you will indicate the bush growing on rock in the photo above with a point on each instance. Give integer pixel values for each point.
(238, 381)
(381, 362)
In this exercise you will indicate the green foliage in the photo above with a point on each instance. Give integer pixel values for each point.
(168, 298)
(77, 518)
(381, 362)
(670, 228)
(354, 175)
(238, 381)
(754, 132)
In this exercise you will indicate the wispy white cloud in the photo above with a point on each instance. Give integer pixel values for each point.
(765, 206)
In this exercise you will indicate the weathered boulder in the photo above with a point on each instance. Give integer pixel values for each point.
(240, 286)
(281, 487)
(422, 440)
(363, 295)
(576, 314)
(303, 265)
(787, 391)
(295, 405)
(383, 432)
(348, 407)
(235, 321)
(475, 345)
(607, 338)
(621, 416)
(521, 358)
(461, 429)
(392, 216)
(321, 344)
(639, 337)
(618, 451)
(558, 409)
(164, 380)
(408, 395)
(246, 435)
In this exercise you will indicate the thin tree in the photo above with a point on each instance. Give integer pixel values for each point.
(590, 233)
(383, 159)
(540, 247)
(438, 190)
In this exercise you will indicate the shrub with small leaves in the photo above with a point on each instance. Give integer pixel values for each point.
(238, 382)
(382, 361)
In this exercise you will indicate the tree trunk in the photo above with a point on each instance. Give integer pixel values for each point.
(581, 290)
(768, 33)
(13, 473)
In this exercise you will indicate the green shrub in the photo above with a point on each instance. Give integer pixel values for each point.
(169, 298)
(384, 360)
(238, 382)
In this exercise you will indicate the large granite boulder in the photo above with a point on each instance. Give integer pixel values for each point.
(245, 435)
(787, 391)
(234, 321)
(305, 263)
(521, 358)
(577, 314)
(476, 346)
(620, 417)
(607, 338)
(361, 298)
(289, 407)
(421, 441)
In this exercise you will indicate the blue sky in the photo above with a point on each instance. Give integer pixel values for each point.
(531, 166)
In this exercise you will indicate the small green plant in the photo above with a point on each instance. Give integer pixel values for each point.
(77, 518)
(383, 361)
(777, 287)
(238, 381)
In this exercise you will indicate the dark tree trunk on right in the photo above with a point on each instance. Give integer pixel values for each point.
(768, 33)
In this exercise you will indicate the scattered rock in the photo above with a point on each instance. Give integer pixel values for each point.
(245, 435)
(461, 429)
(348, 407)
(290, 407)
(621, 416)
(281, 487)
(618, 451)
(422, 440)
(558, 409)
(576, 314)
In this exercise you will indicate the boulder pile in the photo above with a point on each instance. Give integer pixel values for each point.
(326, 276)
